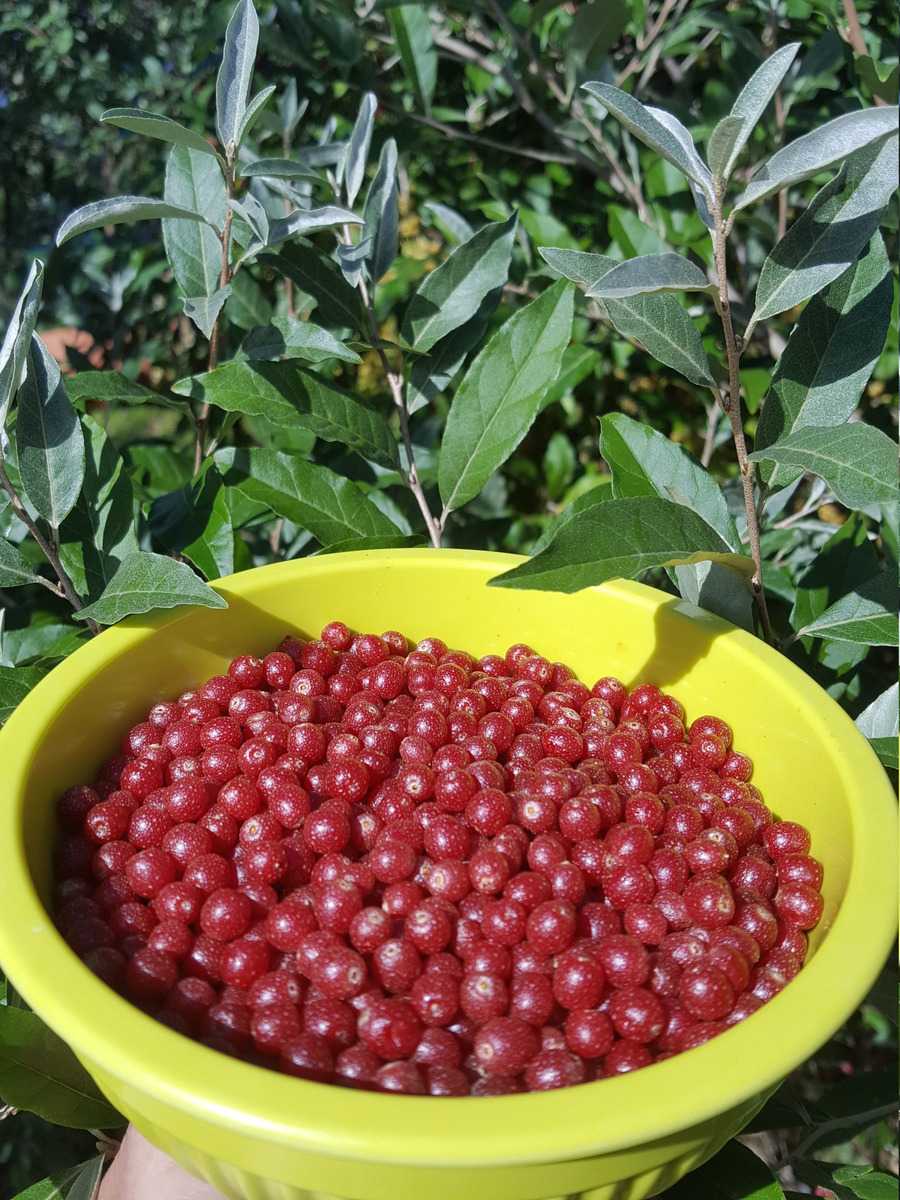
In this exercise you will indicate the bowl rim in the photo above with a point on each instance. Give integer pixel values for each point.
(125, 1044)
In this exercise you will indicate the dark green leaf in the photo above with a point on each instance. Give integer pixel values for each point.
(212, 551)
(858, 462)
(120, 210)
(720, 590)
(753, 101)
(204, 310)
(867, 1183)
(501, 394)
(144, 582)
(734, 1174)
(454, 291)
(651, 273)
(248, 304)
(598, 25)
(39, 1073)
(49, 439)
(138, 120)
(15, 684)
(381, 212)
(621, 539)
(411, 27)
(330, 507)
(645, 462)
(73, 1183)
(831, 232)
(888, 752)
(659, 323)
(286, 337)
(112, 387)
(402, 541)
(236, 72)
(39, 642)
(99, 531)
(559, 465)
(431, 374)
(846, 560)
(194, 181)
(867, 616)
(14, 569)
(279, 168)
(286, 392)
(17, 339)
(336, 302)
(821, 148)
(830, 355)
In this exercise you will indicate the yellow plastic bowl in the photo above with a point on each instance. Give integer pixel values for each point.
(262, 1136)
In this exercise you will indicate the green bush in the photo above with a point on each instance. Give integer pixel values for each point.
(426, 258)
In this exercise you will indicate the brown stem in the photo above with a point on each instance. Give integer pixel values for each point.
(225, 275)
(735, 414)
(855, 35)
(48, 546)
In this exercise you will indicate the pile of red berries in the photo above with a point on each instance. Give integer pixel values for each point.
(425, 873)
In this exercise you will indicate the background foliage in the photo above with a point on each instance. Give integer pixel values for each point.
(478, 127)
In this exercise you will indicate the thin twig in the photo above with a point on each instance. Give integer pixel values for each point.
(856, 38)
(735, 413)
(872, 1116)
(47, 546)
(213, 361)
(709, 440)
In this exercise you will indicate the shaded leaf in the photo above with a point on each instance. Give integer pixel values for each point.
(194, 252)
(829, 356)
(308, 220)
(501, 394)
(559, 465)
(286, 337)
(17, 338)
(621, 539)
(718, 589)
(204, 310)
(598, 25)
(212, 550)
(352, 260)
(330, 507)
(821, 148)
(754, 99)
(453, 225)
(336, 302)
(138, 120)
(279, 168)
(867, 616)
(49, 439)
(15, 684)
(254, 217)
(120, 210)
(248, 304)
(401, 541)
(736, 1173)
(144, 582)
(858, 462)
(846, 560)
(432, 373)
(645, 462)
(829, 234)
(112, 387)
(37, 643)
(356, 155)
(382, 214)
(287, 392)
(650, 273)
(236, 72)
(39, 1073)
(452, 293)
(659, 323)
(14, 569)
(411, 27)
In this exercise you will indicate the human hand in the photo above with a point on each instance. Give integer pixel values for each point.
(141, 1172)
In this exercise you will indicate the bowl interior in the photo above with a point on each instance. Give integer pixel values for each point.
(811, 765)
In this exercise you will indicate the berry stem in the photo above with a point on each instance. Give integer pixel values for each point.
(732, 406)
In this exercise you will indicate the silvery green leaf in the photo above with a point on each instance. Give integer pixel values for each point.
(327, 154)
(352, 260)
(286, 337)
(381, 212)
(501, 394)
(829, 356)
(754, 100)
(701, 182)
(653, 132)
(291, 109)
(194, 251)
(144, 582)
(255, 216)
(831, 232)
(254, 109)
(857, 461)
(821, 148)
(308, 220)
(866, 616)
(357, 153)
(881, 718)
(279, 168)
(720, 147)
(236, 72)
(17, 339)
(717, 589)
(648, 274)
(204, 310)
(120, 210)
(453, 225)
(453, 292)
(659, 323)
(138, 120)
(411, 27)
(14, 569)
(49, 439)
